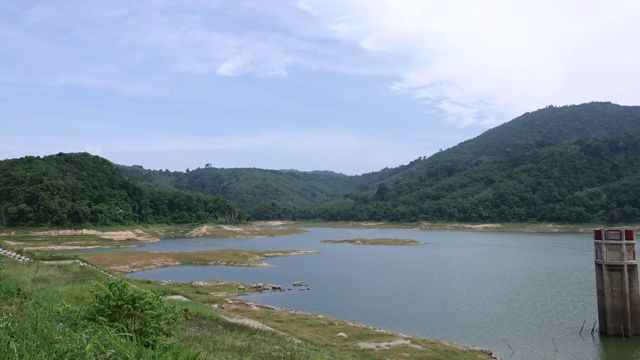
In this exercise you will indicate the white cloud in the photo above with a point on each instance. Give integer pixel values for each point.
(476, 63)
(130, 47)
(483, 62)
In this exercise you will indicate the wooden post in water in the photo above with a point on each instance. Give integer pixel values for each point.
(617, 281)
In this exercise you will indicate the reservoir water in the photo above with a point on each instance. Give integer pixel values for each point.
(522, 295)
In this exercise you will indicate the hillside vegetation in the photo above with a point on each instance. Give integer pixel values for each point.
(264, 194)
(68, 190)
(571, 164)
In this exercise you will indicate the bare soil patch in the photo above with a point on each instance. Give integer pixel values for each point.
(122, 262)
(75, 239)
(251, 230)
(386, 345)
(121, 235)
(423, 225)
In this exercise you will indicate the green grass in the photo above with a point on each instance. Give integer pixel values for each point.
(213, 292)
(48, 256)
(42, 307)
(41, 317)
(216, 338)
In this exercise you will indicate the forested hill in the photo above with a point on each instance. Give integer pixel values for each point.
(80, 189)
(265, 194)
(544, 127)
(576, 163)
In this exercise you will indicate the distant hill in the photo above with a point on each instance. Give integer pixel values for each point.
(80, 189)
(574, 163)
(265, 194)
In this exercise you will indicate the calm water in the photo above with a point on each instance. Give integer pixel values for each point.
(489, 290)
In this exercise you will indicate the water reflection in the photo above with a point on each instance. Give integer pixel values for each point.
(615, 348)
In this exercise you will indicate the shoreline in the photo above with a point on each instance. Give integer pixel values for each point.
(44, 237)
(79, 239)
(282, 320)
(447, 226)
(254, 229)
(378, 339)
(126, 262)
(402, 339)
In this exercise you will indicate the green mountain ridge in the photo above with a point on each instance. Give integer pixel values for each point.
(537, 167)
(265, 194)
(551, 125)
(573, 164)
(589, 180)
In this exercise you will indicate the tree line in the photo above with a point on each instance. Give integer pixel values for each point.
(591, 180)
(80, 189)
(570, 164)
(557, 164)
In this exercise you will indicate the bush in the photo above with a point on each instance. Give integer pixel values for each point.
(139, 312)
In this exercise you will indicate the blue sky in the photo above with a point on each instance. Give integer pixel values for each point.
(351, 86)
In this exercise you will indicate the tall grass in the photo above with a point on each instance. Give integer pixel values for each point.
(42, 316)
(32, 331)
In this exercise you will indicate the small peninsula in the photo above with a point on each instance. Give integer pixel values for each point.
(382, 241)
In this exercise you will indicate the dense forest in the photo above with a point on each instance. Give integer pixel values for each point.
(80, 189)
(265, 194)
(589, 180)
(570, 164)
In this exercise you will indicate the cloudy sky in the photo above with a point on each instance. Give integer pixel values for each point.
(351, 86)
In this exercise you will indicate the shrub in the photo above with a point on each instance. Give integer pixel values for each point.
(140, 312)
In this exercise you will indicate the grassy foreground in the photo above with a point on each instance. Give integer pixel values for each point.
(41, 306)
(41, 318)
(41, 309)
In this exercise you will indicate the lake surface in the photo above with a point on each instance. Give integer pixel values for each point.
(500, 291)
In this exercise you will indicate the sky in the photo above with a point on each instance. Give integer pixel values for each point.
(351, 86)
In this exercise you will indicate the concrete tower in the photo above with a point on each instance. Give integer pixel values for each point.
(617, 282)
